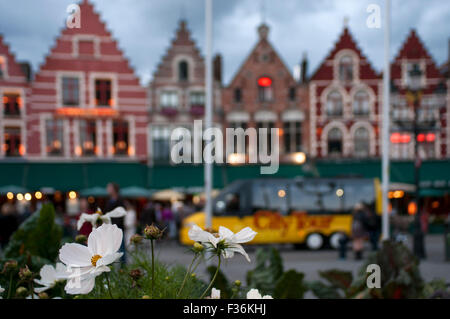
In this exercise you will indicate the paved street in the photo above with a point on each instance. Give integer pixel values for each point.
(308, 262)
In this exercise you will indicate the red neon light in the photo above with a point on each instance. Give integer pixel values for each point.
(398, 138)
(265, 82)
(395, 138)
(421, 138)
(405, 139)
(431, 137)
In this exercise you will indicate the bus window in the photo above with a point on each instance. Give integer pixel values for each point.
(316, 196)
(233, 200)
(270, 195)
(359, 191)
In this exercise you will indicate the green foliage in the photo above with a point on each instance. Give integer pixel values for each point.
(268, 270)
(220, 283)
(338, 284)
(436, 289)
(38, 239)
(290, 286)
(167, 282)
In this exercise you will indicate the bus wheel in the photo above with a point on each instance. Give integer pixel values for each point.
(314, 241)
(334, 240)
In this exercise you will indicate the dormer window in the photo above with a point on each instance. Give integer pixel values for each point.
(346, 69)
(410, 66)
(183, 71)
(103, 93)
(265, 89)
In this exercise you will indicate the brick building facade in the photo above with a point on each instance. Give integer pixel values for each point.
(14, 90)
(86, 100)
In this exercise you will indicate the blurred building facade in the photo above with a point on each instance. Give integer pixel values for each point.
(86, 102)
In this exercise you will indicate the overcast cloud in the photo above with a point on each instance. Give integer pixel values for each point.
(144, 28)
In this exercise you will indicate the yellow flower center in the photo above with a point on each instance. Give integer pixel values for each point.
(94, 260)
(99, 212)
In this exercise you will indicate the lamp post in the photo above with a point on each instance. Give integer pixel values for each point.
(414, 95)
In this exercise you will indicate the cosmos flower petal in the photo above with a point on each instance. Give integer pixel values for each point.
(200, 235)
(215, 293)
(105, 240)
(244, 236)
(116, 212)
(108, 259)
(225, 233)
(48, 275)
(253, 294)
(61, 271)
(80, 286)
(38, 290)
(238, 249)
(90, 218)
(75, 255)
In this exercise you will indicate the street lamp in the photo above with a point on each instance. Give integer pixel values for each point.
(414, 95)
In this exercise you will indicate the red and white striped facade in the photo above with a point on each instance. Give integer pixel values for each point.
(86, 100)
(14, 90)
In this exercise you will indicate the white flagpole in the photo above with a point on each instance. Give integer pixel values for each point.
(208, 111)
(386, 120)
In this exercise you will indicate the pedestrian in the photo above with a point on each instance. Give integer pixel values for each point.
(358, 231)
(148, 216)
(168, 220)
(114, 201)
(8, 223)
(373, 227)
(130, 222)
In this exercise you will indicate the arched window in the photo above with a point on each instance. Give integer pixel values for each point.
(334, 104)
(346, 69)
(183, 71)
(362, 142)
(335, 142)
(361, 103)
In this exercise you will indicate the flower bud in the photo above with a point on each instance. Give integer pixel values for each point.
(167, 278)
(193, 275)
(237, 283)
(43, 295)
(81, 239)
(135, 274)
(21, 292)
(25, 273)
(152, 232)
(198, 248)
(145, 297)
(136, 239)
(10, 265)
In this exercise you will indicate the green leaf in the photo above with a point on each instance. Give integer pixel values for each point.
(290, 286)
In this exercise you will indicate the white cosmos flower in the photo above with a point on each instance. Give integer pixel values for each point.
(50, 276)
(1, 291)
(215, 293)
(254, 294)
(226, 241)
(99, 216)
(86, 263)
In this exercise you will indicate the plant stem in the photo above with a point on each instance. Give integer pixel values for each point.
(10, 285)
(109, 285)
(212, 280)
(187, 274)
(153, 267)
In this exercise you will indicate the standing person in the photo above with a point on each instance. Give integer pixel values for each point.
(373, 227)
(148, 215)
(168, 220)
(8, 223)
(358, 231)
(130, 222)
(115, 201)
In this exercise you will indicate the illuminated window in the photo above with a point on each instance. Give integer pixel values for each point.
(334, 104)
(183, 71)
(120, 137)
(2, 67)
(292, 133)
(169, 99)
(265, 89)
(70, 91)
(361, 103)
(346, 69)
(11, 104)
(362, 142)
(335, 142)
(12, 142)
(88, 138)
(103, 92)
(54, 137)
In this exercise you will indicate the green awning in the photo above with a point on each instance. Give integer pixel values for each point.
(430, 192)
(94, 191)
(135, 192)
(13, 189)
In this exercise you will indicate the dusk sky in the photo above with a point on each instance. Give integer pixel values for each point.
(144, 28)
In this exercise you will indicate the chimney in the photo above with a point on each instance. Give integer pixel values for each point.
(217, 68)
(304, 69)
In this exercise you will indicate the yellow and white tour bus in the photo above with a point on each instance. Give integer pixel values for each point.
(311, 211)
